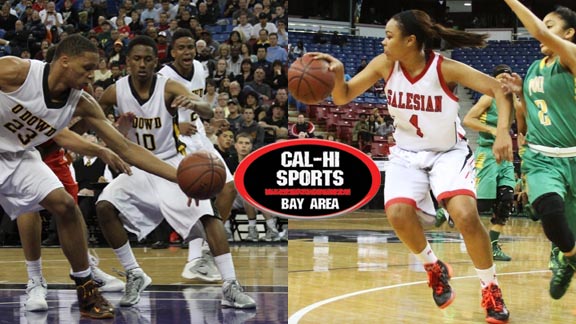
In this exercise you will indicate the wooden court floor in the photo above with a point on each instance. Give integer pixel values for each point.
(353, 269)
(261, 269)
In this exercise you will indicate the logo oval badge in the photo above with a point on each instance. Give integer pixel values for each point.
(307, 178)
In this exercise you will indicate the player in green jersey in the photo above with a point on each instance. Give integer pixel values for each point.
(495, 182)
(549, 163)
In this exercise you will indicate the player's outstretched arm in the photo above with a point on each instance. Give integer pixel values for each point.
(183, 98)
(455, 72)
(472, 118)
(344, 92)
(76, 143)
(130, 152)
(539, 29)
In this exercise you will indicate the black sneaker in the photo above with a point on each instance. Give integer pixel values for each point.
(439, 274)
(91, 303)
(496, 311)
(561, 275)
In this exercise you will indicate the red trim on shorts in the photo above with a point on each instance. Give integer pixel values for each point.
(454, 193)
(401, 200)
(443, 82)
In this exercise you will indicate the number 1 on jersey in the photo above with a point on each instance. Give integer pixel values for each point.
(414, 122)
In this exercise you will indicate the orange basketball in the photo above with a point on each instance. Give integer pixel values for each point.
(309, 80)
(201, 175)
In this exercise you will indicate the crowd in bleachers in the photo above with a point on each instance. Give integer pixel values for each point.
(242, 45)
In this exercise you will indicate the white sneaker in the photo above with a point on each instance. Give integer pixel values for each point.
(200, 269)
(207, 255)
(36, 289)
(136, 281)
(272, 235)
(104, 281)
(233, 296)
(252, 234)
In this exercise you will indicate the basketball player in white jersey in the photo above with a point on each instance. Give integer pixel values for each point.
(431, 151)
(39, 100)
(146, 97)
(188, 71)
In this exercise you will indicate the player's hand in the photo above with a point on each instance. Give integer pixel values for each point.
(512, 83)
(183, 102)
(502, 147)
(336, 65)
(219, 123)
(124, 122)
(187, 128)
(114, 161)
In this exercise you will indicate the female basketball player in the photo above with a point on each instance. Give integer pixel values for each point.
(431, 151)
(549, 160)
(495, 182)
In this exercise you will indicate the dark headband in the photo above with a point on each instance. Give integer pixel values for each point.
(501, 69)
(411, 25)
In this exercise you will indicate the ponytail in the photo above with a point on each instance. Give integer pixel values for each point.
(419, 24)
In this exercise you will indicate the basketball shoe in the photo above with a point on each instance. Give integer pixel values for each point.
(36, 289)
(136, 281)
(233, 296)
(91, 303)
(439, 273)
(272, 235)
(202, 268)
(104, 281)
(252, 234)
(562, 275)
(553, 262)
(496, 311)
(498, 254)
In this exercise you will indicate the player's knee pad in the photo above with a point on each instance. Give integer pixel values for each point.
(503, 205)
(485, 205)
(550, 208)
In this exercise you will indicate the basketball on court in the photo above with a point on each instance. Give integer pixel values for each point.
(201, 175)
(309, 80)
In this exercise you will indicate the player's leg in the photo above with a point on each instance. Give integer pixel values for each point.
(272, 234)
(30, 230)
(463, 210)
(200, 263)
(72, 233)
(232, 293)
(405, 189)
(113, 229)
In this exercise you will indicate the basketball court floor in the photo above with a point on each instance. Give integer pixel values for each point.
(261, 269)
(353, 269)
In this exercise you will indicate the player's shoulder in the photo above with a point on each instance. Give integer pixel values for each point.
(14, 72)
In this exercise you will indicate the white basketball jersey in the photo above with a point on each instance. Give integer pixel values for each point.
(425, 111)
(154, 127)
(196, 84)
(28, 117)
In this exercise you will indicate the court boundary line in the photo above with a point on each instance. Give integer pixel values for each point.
(298, 315)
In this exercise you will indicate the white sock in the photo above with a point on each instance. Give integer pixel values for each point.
(251, 222)
(225, 266)
(34, 268)
(487, 276)
(126, 257)
(82, 274)
(195, 249)
(271, 223)
(427, 256)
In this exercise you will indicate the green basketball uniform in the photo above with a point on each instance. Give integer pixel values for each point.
(489, 174)
(550, 93)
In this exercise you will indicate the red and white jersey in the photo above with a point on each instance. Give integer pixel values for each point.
(424, 109)
(28, 116)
